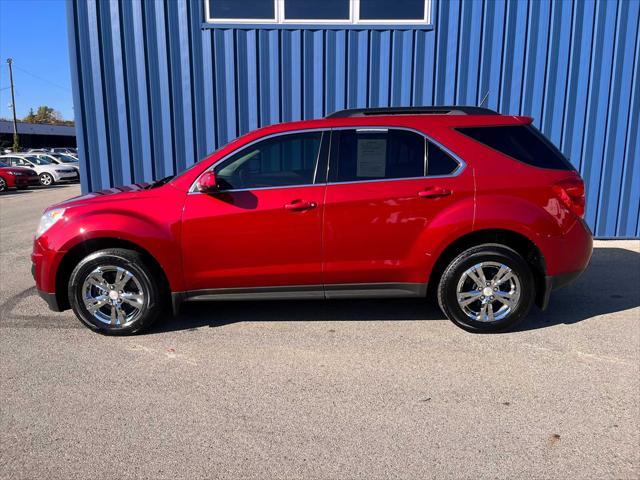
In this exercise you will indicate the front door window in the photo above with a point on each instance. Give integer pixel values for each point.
(282, 161)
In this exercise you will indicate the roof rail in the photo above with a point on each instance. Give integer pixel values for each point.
(435, 110)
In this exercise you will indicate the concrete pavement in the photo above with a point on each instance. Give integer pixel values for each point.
(342, 389)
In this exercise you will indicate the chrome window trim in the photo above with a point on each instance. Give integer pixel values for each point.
(372, 130)
(193, 190)
(460, 168)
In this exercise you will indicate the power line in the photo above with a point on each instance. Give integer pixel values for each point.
(40, 78)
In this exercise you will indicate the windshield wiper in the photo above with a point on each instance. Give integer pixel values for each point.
(160, 182)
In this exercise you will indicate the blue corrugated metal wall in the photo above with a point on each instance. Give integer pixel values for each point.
(155, 89)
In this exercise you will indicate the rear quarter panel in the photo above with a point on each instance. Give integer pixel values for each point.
(512, 195)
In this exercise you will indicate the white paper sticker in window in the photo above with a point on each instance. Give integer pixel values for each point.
(372, 155)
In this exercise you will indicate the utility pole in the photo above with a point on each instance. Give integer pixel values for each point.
(16, 143)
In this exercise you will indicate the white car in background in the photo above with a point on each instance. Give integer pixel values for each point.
(48, 172)
(59, 159)
(71, 150)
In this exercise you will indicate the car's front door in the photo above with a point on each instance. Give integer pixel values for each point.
(263, 228)
(385, 188)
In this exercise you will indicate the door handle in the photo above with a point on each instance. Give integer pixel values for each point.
(434, 192)
(300, 205)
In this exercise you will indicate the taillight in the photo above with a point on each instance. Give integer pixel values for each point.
(571, 193)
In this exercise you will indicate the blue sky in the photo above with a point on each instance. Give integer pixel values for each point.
(34, 34)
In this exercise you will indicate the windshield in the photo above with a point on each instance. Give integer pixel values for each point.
(38, 161)
(65, 158)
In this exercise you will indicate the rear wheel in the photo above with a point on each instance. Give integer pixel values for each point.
(114, 292)
(46, 179)
(487, 288)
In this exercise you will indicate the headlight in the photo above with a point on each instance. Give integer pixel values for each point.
(13, 173)
(49, 219)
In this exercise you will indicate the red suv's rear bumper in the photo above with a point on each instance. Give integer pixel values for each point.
(566, 257)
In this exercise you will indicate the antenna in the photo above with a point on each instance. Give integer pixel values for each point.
(484, 98)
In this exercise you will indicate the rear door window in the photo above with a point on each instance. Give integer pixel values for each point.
(522, 142)
(376, 154)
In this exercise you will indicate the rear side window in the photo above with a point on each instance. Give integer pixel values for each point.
(375, 154)
(522, 142)
(16, 162)
(439, 162)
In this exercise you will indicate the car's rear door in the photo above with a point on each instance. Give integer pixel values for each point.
(385, 187)
(263, 229)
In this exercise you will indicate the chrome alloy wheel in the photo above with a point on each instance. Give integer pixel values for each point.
(488, 291)
(113, 295)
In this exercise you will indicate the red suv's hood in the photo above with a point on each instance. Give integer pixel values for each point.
(112, 194)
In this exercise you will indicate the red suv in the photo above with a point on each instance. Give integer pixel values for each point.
(476, 207)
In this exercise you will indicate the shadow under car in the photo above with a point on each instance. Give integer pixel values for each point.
(611, 283)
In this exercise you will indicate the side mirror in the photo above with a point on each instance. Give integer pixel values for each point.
(207, 183)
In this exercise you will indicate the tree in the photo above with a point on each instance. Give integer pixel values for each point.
(44, 114)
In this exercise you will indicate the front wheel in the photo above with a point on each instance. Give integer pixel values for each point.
(46, 179)
(3, 184)
(114, 292)
(488, 288)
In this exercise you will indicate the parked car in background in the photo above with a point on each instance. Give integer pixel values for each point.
(72, 156)
(59, 159)
(48, 172)
(71, 150)
(63, 150)
(66, 157)
(17, 177)
(38, 150)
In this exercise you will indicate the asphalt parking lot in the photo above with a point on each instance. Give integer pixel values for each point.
(342, 389)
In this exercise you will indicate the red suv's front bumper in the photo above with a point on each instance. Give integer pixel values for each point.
(44, 266)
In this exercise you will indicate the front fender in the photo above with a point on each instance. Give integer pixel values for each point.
(159, 235)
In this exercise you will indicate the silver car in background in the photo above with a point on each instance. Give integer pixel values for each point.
(64, 159)
(48, 172)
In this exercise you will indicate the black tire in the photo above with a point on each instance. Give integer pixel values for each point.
(146, 276)
(46, 179)
(3, 185)
(448, 287)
